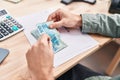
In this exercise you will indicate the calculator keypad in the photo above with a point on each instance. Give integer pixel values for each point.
(9, 26)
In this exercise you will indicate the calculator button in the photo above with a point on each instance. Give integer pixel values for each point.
(5, 26)
(19, 25)
(15, 28)
(1, 36)
(2, 24)
(11, 24)
(8, 17)
(14, 21)
(0, 28)
(9, 30)
(5, 33)
(6, 21)
(8, 24)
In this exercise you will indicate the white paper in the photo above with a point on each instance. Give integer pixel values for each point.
(76, 41)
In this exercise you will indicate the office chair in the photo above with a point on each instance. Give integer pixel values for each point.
(115, 6)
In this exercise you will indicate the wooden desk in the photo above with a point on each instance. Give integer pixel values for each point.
(14, 67)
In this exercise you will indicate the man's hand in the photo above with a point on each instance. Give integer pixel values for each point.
(40, 59)
(64, 18)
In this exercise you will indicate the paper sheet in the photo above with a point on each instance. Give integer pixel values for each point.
(76, 41)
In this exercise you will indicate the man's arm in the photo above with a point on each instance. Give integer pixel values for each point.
(101, 24)
(90, 23)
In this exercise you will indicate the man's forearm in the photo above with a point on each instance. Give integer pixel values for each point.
(101, 24)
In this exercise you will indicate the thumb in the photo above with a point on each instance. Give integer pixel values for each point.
(56, 24)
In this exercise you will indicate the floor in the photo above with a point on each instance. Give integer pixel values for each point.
(100, 60)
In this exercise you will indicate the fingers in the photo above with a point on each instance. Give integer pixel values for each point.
(51, 17)
(55, 16)
(57, 24)
(45, 40)
(43, 43)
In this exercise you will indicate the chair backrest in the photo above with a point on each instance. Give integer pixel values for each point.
(115, 6)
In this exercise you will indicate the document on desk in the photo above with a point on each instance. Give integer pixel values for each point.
(76, 41)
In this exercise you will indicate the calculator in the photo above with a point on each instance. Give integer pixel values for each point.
(8, 25)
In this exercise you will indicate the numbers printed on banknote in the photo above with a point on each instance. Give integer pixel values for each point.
(42, 28)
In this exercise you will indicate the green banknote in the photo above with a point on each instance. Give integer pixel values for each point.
(42, 28)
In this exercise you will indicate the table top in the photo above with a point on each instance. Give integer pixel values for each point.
(14, 66)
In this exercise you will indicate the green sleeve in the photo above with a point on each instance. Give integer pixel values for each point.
(101, 24)
(99, 78)
(116, 78)
(103, 78)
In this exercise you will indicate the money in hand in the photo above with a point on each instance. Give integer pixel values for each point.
(42, 28)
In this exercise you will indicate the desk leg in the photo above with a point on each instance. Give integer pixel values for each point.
(114, 63)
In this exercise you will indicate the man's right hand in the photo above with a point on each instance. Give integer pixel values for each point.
(64, 18)
(40, 59)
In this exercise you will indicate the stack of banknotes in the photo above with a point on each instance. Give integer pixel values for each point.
(43, 28)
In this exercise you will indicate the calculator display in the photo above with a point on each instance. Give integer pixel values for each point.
(2, 12)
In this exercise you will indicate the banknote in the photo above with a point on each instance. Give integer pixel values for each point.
(42, 28)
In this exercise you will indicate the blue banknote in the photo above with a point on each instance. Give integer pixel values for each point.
(42, 28)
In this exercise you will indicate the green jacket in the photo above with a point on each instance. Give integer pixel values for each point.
(103, 78)
(104, 25)
(101, 24)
